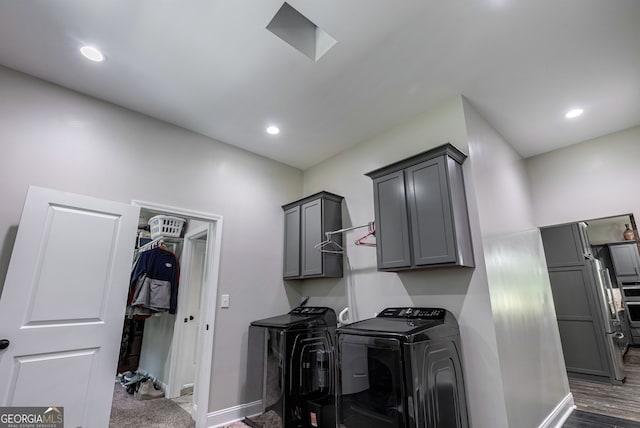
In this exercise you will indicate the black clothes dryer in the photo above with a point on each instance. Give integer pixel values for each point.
(297, 368)
(401, 369)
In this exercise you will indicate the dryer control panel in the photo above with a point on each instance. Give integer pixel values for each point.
(412, 313)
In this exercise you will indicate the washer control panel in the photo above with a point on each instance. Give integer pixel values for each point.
(412, 313)
(308, 310)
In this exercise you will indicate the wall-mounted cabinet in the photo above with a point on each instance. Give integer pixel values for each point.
(305, 224)
(565, 245)
(626, 261)
(421, 212)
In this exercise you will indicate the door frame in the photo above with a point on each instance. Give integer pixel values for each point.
(207, 306)
(173, 386)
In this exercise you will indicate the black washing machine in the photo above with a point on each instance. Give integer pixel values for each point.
(401, 369)
(297, 368)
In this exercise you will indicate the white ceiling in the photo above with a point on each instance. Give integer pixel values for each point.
(211, 66)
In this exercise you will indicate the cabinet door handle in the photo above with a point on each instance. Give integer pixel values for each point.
(4, 344)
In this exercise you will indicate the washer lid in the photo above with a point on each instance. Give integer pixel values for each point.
(304, 316)
(414, 325)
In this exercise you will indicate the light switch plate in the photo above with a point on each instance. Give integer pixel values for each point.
(224, 301)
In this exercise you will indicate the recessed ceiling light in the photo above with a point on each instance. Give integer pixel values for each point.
(574, 113)
(273, 130)
(92, 53)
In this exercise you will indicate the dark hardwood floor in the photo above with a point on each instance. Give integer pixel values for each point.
(620, 403)
(580, 419)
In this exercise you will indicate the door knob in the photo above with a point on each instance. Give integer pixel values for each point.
(190, 317)
(4, 344)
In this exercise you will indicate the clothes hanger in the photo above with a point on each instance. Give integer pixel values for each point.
(321, 246)
(372, 232)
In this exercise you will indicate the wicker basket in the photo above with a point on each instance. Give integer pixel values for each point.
(165, 225)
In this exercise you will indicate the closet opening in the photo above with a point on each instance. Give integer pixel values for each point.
(172, 347)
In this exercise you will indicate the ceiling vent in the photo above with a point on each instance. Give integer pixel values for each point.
(299, 32)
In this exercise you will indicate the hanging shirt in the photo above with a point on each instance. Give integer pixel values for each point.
(154, 281)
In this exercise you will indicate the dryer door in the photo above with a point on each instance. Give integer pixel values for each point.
(371, 389)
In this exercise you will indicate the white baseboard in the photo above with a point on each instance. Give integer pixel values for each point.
(223, 417)
(560, 414)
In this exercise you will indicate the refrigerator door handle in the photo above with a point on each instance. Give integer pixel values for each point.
(612, 302)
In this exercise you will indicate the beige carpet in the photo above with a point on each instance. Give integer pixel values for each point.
(127, 412)
(266, 420)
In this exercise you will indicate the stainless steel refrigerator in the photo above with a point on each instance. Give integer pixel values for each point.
(614, 337)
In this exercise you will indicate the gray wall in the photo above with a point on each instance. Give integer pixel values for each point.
(529, 348)
(55, 138)
(593, 179)
(463, 291)
(156, 346)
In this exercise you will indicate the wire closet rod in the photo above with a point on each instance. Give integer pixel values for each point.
(159, 241)
(340, 250)
(333, 232)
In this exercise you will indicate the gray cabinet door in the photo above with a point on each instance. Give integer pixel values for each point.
(311, 229)
(392, 230)
(562, 245)
(625, 260)
(291, 267)
(430, 213)
(582, 336)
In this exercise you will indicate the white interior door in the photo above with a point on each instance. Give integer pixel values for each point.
(189, 354)
(63, 303)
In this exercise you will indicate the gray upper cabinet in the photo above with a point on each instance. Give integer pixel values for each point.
(563, 245)
(421, 212)
(305, 224)
(626, 261)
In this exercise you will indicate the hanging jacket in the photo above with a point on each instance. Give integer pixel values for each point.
(154, 282)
